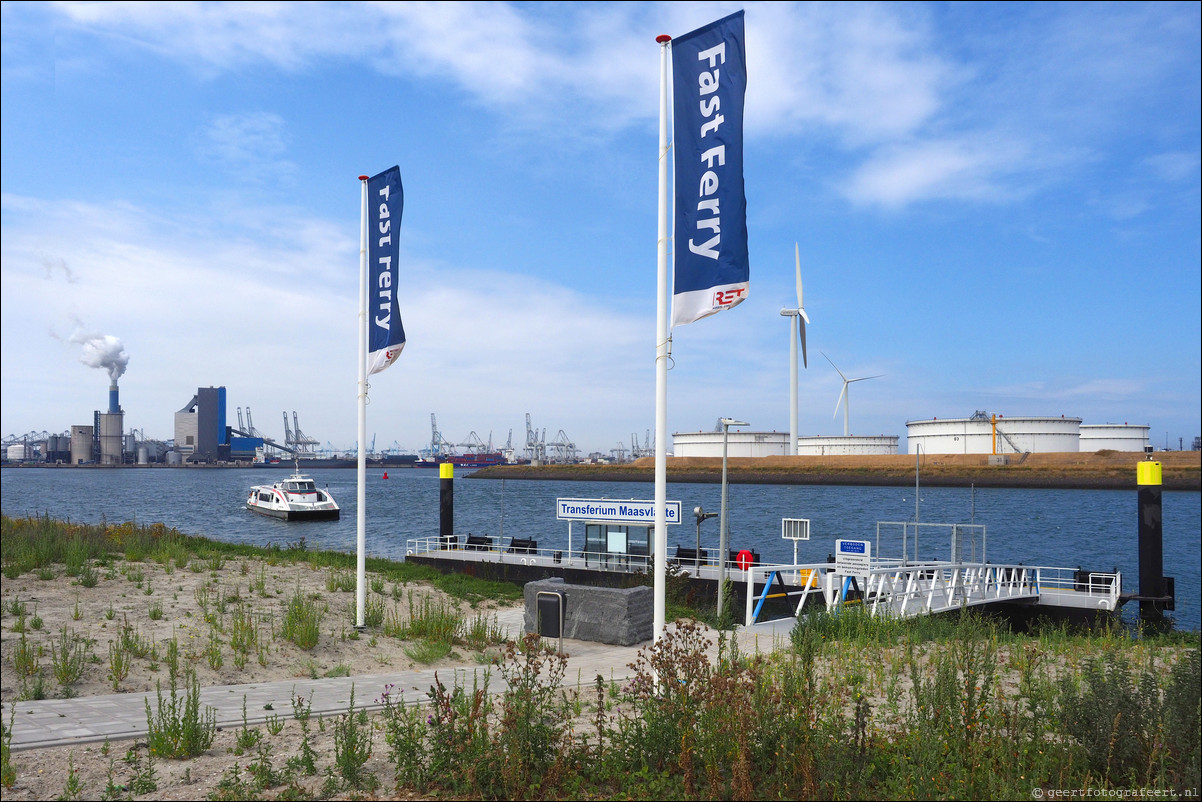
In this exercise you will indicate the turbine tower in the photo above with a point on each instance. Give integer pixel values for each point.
(798, 333)
(844, 395)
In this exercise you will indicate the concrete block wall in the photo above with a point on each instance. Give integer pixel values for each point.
(617, 616)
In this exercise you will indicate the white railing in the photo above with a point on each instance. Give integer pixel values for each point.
(934, 587)
(889, 587)
(516, 550)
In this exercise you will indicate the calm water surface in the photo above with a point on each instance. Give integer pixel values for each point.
(1095, 529)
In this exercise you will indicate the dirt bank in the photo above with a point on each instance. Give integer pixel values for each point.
(1182, 470)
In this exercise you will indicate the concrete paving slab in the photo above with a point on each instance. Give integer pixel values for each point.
(55, 722)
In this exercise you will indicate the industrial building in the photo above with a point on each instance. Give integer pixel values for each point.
(200, 430)
(202, 434)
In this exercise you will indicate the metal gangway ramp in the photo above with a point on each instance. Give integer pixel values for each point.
(908, 586)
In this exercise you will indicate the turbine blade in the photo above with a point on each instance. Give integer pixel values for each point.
(866, 378)
(797, 258)
(841, 395)
(801, 325)
(833, 365)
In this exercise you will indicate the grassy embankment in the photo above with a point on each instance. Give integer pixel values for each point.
(857, 708)
(1182, 470)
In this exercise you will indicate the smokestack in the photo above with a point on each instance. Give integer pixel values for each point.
(114, 401)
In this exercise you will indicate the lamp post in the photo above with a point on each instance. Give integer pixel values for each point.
(701, 516)
(722, 554)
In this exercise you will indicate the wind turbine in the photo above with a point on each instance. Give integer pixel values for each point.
(844, 395)
(798, 334)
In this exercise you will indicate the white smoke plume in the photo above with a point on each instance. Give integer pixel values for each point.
(102, 351)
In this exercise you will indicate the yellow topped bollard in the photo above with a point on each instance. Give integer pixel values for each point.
(1155, 589)
(1148, 473)
(446, 505)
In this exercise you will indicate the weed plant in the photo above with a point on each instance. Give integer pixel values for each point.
(120, 661)
(856, 709)
(302, 620)
(8, 773)
(353, 748)
(69, 657)
(179, 729)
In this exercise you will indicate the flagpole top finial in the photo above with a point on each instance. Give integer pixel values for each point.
(663, 37)
(363, 178)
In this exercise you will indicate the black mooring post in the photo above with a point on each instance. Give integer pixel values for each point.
(446, 504)
(1151, 543)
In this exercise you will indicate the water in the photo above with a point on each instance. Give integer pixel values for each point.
(1095, 529)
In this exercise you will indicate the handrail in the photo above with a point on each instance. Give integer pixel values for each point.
(939, 586)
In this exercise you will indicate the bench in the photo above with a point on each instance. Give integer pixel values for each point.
(522, 545)
(687, 556)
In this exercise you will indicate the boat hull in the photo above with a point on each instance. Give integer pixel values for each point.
(296, 515)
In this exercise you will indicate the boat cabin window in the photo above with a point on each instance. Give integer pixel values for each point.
(264, 497)
(300, 487)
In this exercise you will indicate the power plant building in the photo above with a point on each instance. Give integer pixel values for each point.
(201, 434)
(81, 445)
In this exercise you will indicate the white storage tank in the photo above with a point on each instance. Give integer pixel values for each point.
(821, 446)
(1114, 436)
(740, 443)
(17, 452)
(975, 435)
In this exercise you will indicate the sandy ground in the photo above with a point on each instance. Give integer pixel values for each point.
(149, 603)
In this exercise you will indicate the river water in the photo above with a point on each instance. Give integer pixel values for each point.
(1094, 529)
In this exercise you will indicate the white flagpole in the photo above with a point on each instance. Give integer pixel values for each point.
(361, 500)
(661, 352)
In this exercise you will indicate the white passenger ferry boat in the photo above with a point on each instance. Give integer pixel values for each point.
(293, 499)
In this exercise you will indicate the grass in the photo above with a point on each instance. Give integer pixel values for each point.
(39, 542)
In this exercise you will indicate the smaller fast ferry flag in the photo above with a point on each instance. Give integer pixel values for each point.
(709, 81)
(385, 203)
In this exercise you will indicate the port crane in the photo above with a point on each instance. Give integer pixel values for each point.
(439, 447)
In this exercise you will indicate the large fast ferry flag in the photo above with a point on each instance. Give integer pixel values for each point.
(385, 202)
(709, 80)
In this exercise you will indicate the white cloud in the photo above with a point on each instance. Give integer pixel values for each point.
(1175, 166)
(865, 73)
(253, 141)
(965, 169)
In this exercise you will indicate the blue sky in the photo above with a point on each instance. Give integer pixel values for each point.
(997, 207)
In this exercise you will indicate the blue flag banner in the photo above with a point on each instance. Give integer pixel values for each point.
(385, 202)
(709, 80)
